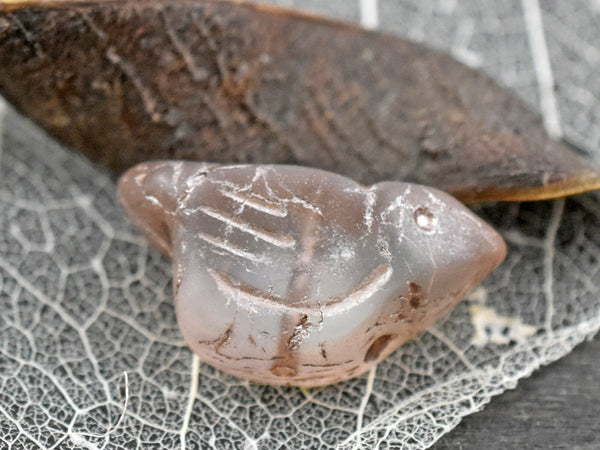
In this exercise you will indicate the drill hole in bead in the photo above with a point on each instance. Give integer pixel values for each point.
(378, 347)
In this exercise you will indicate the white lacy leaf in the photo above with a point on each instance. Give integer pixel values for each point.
(90, 353)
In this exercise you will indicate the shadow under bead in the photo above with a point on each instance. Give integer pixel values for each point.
(131, 81)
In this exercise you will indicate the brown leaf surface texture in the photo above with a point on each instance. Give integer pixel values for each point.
(218, 81)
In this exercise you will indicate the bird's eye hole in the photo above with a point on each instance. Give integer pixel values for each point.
(425, 219)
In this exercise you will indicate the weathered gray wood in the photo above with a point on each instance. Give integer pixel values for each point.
(558, 407)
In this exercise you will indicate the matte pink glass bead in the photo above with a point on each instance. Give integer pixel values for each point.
(296, 276)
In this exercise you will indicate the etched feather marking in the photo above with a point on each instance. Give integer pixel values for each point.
(232, 248)
(366, 287)
(257, 202)
(232, 288)
(280, 240)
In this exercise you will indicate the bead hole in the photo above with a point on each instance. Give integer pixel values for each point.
(378, 347)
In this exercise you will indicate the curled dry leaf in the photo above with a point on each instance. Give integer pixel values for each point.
(296, 276)
(130, 81)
